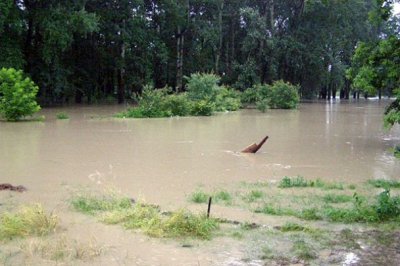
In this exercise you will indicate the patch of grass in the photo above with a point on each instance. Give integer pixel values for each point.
(272, 210)
(199, 197)
(310, 214)
(303, 250)
(28, 221)
(92, 204)
(300, 182)
(294, 227)
(335, 198)
(223, 196)
(146, 218)
(348, 238)
(384, 183)
(352, 186)
(253, 196)
(62, 249)
(62, 115)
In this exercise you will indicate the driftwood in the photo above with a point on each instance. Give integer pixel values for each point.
(12, 188)
(253, 148)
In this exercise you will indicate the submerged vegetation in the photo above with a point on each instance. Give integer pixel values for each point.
(28, 221)
(346, 207)
(114, 209)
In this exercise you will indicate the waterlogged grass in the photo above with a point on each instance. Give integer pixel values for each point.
(221, 196)
(336, 198)
(304, 250)
(28, 221)
(146, 218)
(254, 195)
(62, 116)
(384, 183)
(301, 182)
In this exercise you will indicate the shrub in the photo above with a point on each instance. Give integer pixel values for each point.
(227, 100)
(283, 95)
(249, 96)
(17, 95)
(176, 105)
(202, 108)
(202, 86)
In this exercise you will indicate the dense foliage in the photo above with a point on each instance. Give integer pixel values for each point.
(204, 97)
(95, 50)
(17, 95)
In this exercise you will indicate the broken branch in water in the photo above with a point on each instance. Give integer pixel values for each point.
(253, 148)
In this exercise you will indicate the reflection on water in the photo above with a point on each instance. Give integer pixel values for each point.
(172, 156)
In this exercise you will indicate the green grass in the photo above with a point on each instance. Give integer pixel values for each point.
(300, 182)
(254, 195)
(62, 115)
(146, 218)
(223, 196)
(384, 183)
(28, 221)
(303, 250)
(335, 198)
(199, 197)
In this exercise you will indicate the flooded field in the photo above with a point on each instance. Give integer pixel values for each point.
(162, 161)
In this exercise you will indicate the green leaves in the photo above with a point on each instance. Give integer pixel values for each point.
(17, 95)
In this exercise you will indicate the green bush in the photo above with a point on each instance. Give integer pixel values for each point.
(227, 100)
(17, 95)
(202, 86)
(176, 105)
(283, 95)
(202, 108)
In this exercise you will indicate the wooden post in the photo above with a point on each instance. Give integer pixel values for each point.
(209, 207)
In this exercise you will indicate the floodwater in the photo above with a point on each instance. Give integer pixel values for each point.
(164, 160)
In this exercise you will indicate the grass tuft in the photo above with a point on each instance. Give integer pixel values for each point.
(199, 197)
(384, 183)
(254, 195)
(334, 198)
(303, 250)
(28, 221)
(62, 115)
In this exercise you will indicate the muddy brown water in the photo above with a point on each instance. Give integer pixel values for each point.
(164, 160)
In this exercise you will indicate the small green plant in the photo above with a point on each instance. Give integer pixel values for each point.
(384, 183)
(293, 227)
(334, 198)
(28, 221)
(298, 181)
(62, 115)
(396, 151)
(17, 95)
(223, 196)
(227, 100)
(387, 207)
(310, 214)
(199, 197)
(91, 204)
(253, 196)
(303, 250)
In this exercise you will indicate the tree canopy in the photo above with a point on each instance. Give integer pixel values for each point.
(92, 50)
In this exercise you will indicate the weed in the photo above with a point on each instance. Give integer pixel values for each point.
(199, 197)
(224, 196)
(91, 204)
(62, 115)
(293, 227)
(147, 218)
(298, 181)
(271, 210)
(254, 195)
(29, 220)
(303, 250)
(333, 198)
(352, 186)
(384, 183)
(309, 214)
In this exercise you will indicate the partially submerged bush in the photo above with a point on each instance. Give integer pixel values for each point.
(17, 95)
(279, 95)
(29, 220)
(202, 86)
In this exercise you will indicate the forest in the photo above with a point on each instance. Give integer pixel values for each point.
(91, 51)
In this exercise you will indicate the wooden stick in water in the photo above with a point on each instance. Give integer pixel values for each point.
(253, 148)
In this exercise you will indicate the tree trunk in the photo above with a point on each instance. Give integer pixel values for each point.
(220, 33)
(179, 59)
